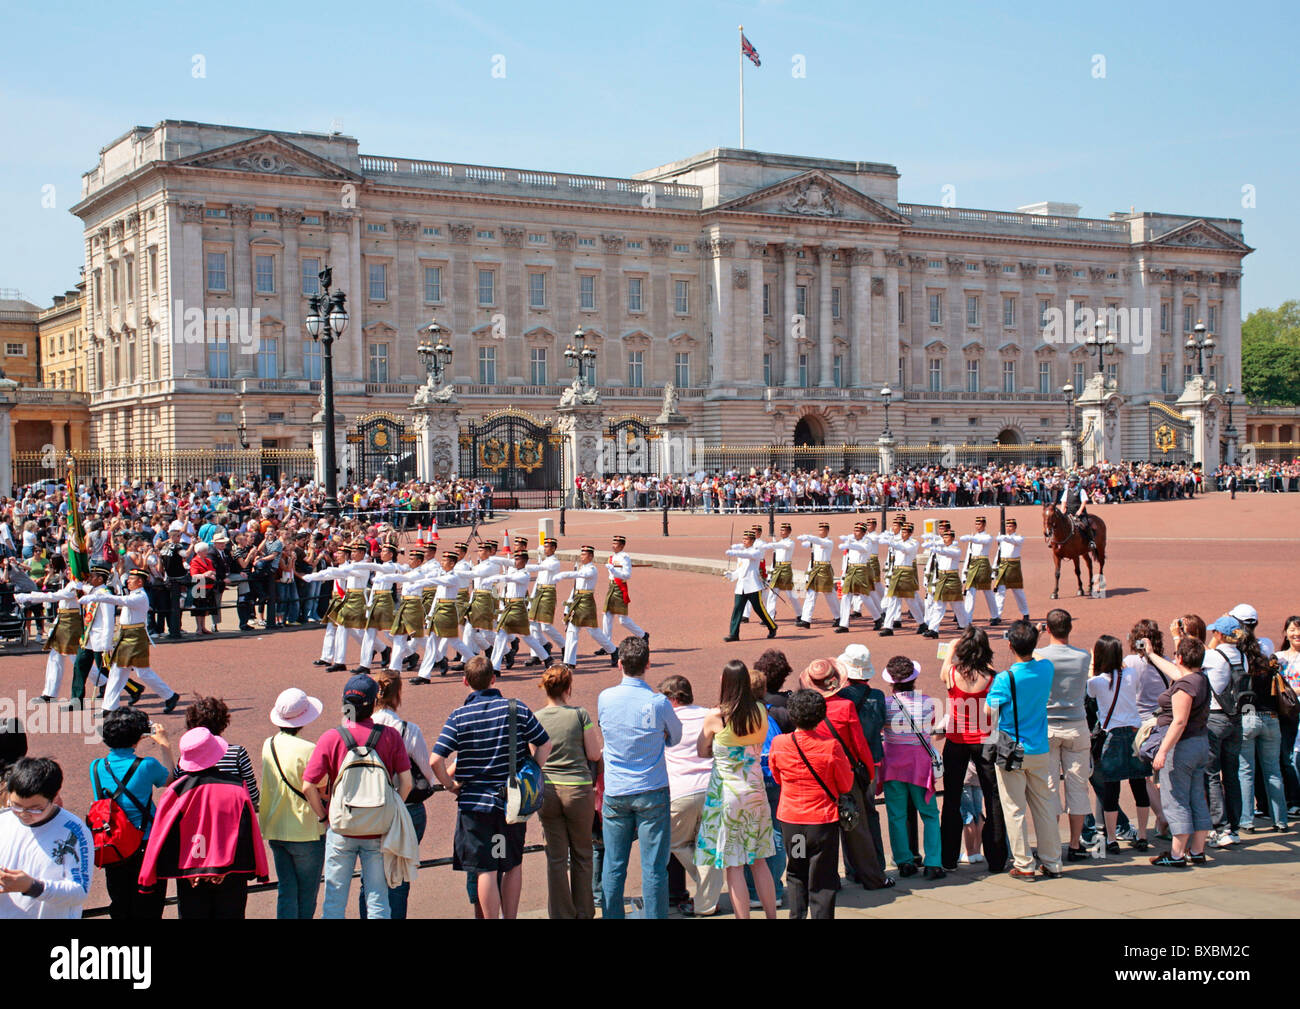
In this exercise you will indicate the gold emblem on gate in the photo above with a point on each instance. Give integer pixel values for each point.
(1165, 438)
(493, 455)
(379, 439)
(528, 455)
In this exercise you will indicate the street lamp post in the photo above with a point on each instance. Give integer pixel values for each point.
(327, 318)
(886, 394)
(1201, 342)
(1103, 343)
(578, 355)
(1068, 389)
(435, 352)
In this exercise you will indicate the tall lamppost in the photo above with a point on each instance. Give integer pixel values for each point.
(1201, 342)
(327, 318)
(578, 355)
(1068, 389)
(886, 394)
(434, 351)
(1102, 342)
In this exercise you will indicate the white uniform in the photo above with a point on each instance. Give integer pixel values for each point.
(55, 664)
(782, 553)
(902, 552)
(447, 586)
(821, 552)
(856, 551)
(876, 541)
(386, 576)
(979, 545)
(1009, 545)
(545, 571)
(353, 575)
(401, 642)
(134, 607)
(514, 584)
(584, 578)
(619, 565)
(480, 640)
(945, 558)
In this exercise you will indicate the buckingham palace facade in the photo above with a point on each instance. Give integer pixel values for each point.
(778, 294)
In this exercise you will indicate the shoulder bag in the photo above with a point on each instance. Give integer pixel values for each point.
(936, 761)
(524, 787)
(1008, 754)
(861, 773)
(846, 806)
(1099, 730)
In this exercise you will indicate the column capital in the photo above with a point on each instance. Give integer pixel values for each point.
(861, 256)
(242, 215)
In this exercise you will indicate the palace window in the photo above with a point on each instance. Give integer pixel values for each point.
(936, 309)
(537, 365)
(310, 277)
(433, 284)
(378, 363)
(537, 290)
(587, 292)
(634, 294)
(1008, 376)
(682, 369)
(681, 297)
(487, 366)
(972, 309)
(936, 374)
(487, 288)
(264, 274)
(378, 274)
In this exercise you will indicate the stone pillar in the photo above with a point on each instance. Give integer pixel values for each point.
(1176, 327)
(751, 365)
(1100, 412)
(891, 331)
(407, 297)
(1229, 337)
(1204, 409)
(677, 450)
(887, 444)
(187, 286)
(318, 444)
(790, 374)
(581, 423)
(241, 363)
(8, 397)
(437, 425)
(861, 345)
(291, 295)
(1068, 460)
(611, 305)
(825, 323)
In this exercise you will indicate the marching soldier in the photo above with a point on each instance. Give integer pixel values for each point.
(875, 539)
(619, 567)
(513, 621)
(380, 608)
(465, 568)
(902, 580)
(481, 620)
(445, 617)
(945, 558)
(98, 621)
(1009, 575)
(857, 584)
(64, 639)
(821, 579)
(979, 575)
(350, 616)
(407, 628)
(131, 650)
(541, 605)
(748, 585)
(780, 582)
(757, 530)
(580, 612)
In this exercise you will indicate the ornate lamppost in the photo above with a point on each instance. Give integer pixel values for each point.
(327, 319)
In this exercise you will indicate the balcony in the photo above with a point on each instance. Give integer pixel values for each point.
(961, 396)
(812, 393)
(36, 395)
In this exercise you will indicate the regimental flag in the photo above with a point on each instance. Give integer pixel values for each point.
(748, 50)
(78, 562)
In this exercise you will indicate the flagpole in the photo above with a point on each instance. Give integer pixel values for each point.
(740, 52)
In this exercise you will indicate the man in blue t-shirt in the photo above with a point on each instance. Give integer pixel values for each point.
(1022, 715)
(123, 729)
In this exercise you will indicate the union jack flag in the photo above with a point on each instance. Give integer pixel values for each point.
(748, 50)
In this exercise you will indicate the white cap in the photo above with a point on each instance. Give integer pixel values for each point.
(1246, 614)
(856, 663)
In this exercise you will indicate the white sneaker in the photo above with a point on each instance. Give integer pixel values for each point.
(973, 859)
(965, 859)
(1213, 840)
(1233, 838)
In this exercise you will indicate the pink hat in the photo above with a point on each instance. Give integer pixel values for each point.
(200, 749)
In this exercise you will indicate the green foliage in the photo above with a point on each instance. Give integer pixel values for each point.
(1270, 354)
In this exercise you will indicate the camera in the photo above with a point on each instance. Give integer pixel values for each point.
(1015, 758)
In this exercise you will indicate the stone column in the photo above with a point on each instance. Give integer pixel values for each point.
(437, 425)
(1230, 326)
(318, 443)
(1068, 460)
(512, 304)
(1100, 412)
(825, 323)
(891, 330)
(188, 288)
(861, 346)
(241, 363)
(1204, 409)
(919, 327)
(885, 462)
(1176, 327)
(462, 295)
(580, 421)
(954, 323)
(1139, 285)
(407, 299)
(790, 376)
(750, 365)
(291, 293)
(611, 311)
(8, 397)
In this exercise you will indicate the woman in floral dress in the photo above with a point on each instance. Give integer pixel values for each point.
(736, 828)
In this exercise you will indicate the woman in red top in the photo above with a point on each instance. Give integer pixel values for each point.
(812, 773)
(203, 573)
(968, 673)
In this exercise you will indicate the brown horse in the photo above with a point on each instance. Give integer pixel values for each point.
(1068, 542)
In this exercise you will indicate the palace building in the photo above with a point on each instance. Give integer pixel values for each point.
(778, 294)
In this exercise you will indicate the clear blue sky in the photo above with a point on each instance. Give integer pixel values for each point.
(1198, 99)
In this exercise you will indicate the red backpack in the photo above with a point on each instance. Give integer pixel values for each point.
(115, 837)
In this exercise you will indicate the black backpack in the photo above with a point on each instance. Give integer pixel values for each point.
(1240, 692)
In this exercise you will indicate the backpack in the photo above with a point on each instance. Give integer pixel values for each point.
(1239, 690)
(525, 787)
(114, 836)
(364, 800)
(773, 730)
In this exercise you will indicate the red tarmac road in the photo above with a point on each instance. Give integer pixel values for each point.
(1166, 559)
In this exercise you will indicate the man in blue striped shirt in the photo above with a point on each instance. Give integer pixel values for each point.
(478, 732)
(637, 722)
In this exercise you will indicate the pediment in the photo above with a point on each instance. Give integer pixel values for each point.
(378, 330)
(268, 155)
(1009, 347)
(636, 338)
(936, 344)
(816, 196)
(1200, 235)
(682, 338)
(538, 333)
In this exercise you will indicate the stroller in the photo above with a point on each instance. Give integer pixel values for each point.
(13, 626)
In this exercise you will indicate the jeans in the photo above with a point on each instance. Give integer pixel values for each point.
(1223, 781)
(1261, 742)
(1289, 778)
(776, 862)
(298, 866)
(308, 592)
(340, 858)
(646, 816)
(956, 758)
(899, 795)
(399, 895)
(287, 595)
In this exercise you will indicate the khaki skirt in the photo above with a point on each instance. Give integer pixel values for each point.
(820, 577)
(979, 575)
(332, 610)
(410, 618)
(902, 583)
(947, 587)
(132, 648)
(582, 609)
(445, 621)
(614, 600)
(1009, 575)
(352, 614)
(483, 610)
(542, 606)
(857, 580)
(514, 618)
(382, 610)
(782, 576)
(873, 565)
(65, 635)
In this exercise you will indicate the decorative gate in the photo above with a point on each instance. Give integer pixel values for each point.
(632, 447)
(518, 455)
(1170, 434)
(383, 447)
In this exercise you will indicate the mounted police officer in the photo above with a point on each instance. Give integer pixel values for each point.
(1074, 503)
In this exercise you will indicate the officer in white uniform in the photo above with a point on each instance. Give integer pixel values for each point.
(1008, 575)
(581, 608)
(131, 652)
(820, 577)
(748, 585)
(979, 544)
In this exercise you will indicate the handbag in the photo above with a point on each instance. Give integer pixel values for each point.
(936, 761)
(524, 786)
(845, 805)
(861, 773)
(1001, 751)
(1288, 705)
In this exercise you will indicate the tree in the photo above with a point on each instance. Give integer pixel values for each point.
(1270, 354)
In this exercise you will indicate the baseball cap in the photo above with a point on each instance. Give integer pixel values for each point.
(1226, 625)
(1245, 613)
(361, 688)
